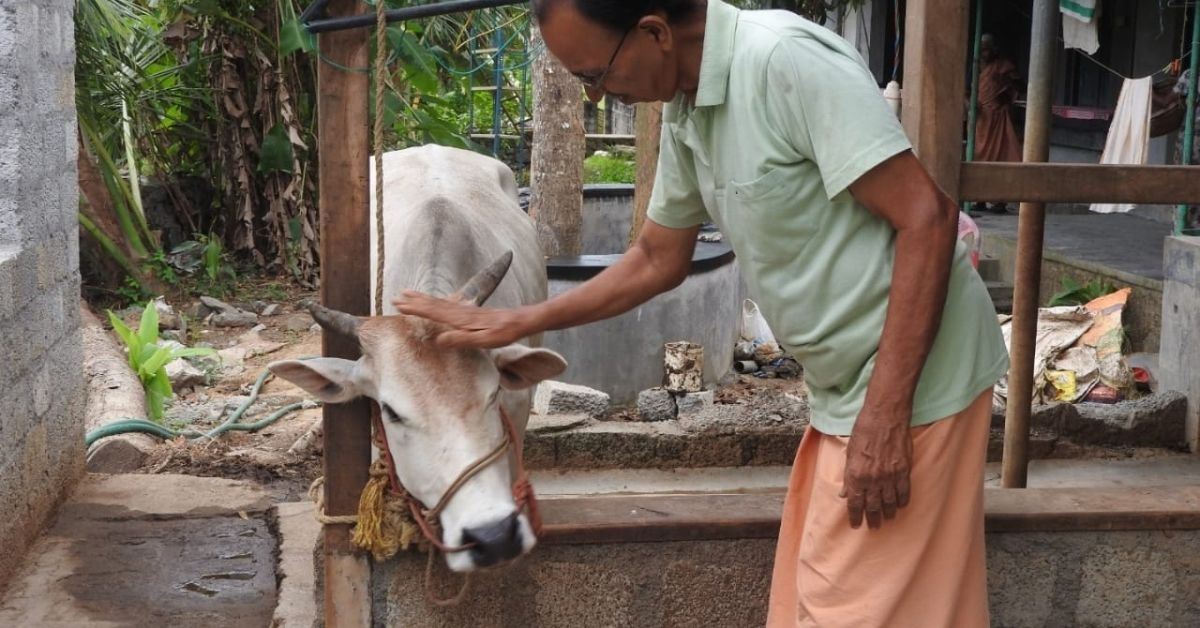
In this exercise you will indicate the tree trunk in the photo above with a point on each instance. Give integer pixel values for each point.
(99, 204)
(114, 393)
(649, 131)
(559, 143)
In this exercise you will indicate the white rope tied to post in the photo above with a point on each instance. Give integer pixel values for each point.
(316, 492)
(380, 82)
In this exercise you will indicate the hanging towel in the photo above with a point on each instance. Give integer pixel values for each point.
(1080, 24)
(1129, 133)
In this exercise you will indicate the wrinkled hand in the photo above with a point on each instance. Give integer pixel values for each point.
(470, 326)
(878, 461)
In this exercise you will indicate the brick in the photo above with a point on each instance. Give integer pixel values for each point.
(554, 397)
(38, 327)
(693, 402)
(18, 273)
(42, 386)
(8, 88)
(8, 34)
(16, 410)
(51, 34)
(656, 404)
(9, 260)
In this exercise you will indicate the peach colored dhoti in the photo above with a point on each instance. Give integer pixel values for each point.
(923, 569)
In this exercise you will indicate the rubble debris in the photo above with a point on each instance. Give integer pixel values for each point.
(684, 363)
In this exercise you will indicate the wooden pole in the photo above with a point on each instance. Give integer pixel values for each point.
(345, 285)
(934, 83)
(1030, 230)
(649, 132)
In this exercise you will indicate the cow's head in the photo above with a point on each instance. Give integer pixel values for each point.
(441, 414)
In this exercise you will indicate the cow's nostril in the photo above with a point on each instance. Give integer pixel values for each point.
(496, 542)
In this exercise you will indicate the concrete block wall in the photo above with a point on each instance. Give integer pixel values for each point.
(1179, 358)
(41, 382)
(1111, 579)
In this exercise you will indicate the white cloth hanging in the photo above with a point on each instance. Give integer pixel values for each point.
(1129, 133)
(1080, 24)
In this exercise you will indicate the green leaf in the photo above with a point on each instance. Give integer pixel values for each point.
(162, 384)
(212, 258)
(191, 352)
(157, 361)
(418, 62)
(392, 105)
(276, 154)
(123, 330)
(294, 36)
(154, 403)
(144, 355)
(148, 330)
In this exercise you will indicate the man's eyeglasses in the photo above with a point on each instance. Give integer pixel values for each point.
(595, 82)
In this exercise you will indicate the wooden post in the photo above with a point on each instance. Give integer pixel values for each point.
(649, 132)
(345, 285)
(934, 83)
(1030, 228)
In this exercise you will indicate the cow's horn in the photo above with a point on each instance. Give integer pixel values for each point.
(482, 285)
(333, 320)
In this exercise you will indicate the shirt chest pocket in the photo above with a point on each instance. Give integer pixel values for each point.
(776, 213)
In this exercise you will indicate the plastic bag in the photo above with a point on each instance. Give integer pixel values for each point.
(754, 326)
(968, 232)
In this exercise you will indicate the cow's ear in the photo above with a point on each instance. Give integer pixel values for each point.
(332, 380)
(521, 367)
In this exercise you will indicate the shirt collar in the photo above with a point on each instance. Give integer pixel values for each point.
(720, 24)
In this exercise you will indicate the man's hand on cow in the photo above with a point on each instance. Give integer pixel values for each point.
(469, 326)
(878, 461)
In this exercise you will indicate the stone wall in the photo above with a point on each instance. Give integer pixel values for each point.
(1111, 579)
(1179, 360)
(41, 385)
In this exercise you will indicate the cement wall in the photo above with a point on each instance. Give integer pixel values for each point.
(1035, 580)
(626, 585)
(1179, 359)
(624, 355)
(41, 385)
(1094, 579)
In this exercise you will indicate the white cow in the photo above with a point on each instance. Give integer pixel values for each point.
(450, 218)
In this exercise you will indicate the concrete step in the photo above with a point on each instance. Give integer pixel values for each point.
(990, 269)
(150, 550)
(1002, 295)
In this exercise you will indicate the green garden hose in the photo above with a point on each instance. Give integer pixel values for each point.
(142, 426)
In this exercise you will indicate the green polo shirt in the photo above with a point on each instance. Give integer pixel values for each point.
(786, 117)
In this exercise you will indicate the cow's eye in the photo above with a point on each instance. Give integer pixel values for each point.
(390, 414)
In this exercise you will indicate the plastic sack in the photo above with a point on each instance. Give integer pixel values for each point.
(754, 326)
(968, 232)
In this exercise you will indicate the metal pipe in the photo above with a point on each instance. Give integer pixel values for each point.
(327, 25)
(1030, 227)
(973, 112)
(498, 81)
(313, 10)
(1189, 127)
(745, 367)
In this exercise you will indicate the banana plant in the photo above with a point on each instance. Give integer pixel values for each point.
(149, 359)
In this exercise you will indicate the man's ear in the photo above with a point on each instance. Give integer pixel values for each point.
(522, 367)
(332, 380)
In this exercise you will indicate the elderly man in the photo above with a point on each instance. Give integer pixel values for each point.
(775, 130)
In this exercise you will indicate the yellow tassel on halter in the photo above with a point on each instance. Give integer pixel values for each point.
(385, 525)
